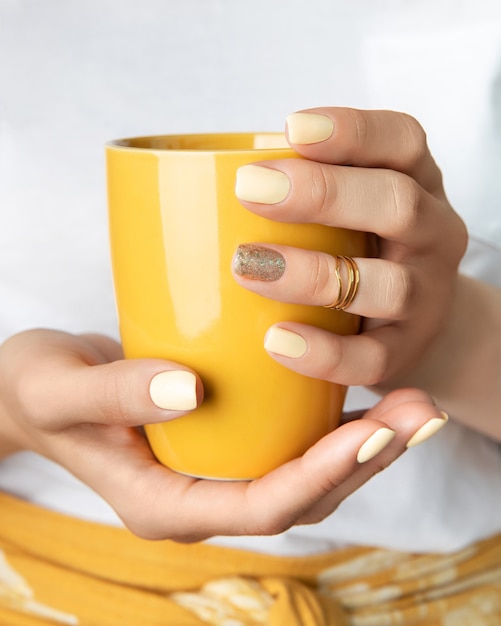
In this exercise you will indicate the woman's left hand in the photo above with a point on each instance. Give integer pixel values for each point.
(367, 171)
(76, 401)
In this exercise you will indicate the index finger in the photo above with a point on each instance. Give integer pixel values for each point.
(382, 139)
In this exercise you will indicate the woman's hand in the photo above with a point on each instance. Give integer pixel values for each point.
(424, 324)
(367, 171)
(74, 400)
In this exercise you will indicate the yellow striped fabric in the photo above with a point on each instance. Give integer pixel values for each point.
(56, 569)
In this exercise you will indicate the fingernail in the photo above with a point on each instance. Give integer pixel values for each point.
(258, 262)
(304, 128)
(428, 430)
(175, 390)
(261, 184)
(375, 444)
(285, 342)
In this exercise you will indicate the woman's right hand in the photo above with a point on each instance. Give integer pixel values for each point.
(75, 400)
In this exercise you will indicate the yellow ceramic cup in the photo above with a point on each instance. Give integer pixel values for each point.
(175, 224)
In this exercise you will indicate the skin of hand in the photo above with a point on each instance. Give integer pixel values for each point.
(75, 400)
(372, 171)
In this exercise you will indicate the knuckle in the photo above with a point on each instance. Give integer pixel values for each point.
(401, 292)
(361, 127)
(414, 140)
(319, 284)
(334, 366)
(112, 395)
(111, 401)
(460, 240)
(406, 198)
(34, 405)
(379, 363)
(323, 193)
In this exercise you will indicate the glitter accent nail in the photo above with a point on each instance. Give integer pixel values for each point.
(258, 262)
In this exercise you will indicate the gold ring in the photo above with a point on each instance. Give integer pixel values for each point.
(345, 296)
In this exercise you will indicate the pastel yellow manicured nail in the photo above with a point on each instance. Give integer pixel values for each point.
(304, 128)
(285, 342)
(428, 430)
(375, 444)
(174, 390)
(261, 184)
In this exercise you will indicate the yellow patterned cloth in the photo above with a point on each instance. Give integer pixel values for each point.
(59, 570)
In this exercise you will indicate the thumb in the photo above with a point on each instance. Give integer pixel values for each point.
(130, 392)
(63, 379)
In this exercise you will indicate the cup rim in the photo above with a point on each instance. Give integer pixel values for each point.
(238, 142)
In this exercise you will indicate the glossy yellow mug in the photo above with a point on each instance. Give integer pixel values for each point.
(175, 224)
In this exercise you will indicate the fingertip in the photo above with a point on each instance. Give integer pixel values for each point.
(412, 413)
(175, 390)
(286, 343)
(262, 185)
(304, 128)
(375, 444)
(428, 429)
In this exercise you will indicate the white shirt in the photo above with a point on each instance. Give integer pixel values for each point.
(74, 75)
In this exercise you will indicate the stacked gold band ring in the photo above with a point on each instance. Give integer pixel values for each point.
(345, 295)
